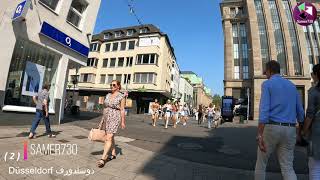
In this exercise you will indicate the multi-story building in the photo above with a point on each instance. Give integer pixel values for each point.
(41, 39)
(200, 97)
(256, 31)
(140, 57)
(175, 78)
(185, 91)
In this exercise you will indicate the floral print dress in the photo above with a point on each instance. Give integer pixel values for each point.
(112, 113)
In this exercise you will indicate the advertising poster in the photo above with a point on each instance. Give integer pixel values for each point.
(33, 79)
(227, 107)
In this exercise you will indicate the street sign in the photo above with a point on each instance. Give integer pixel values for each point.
(62, 38)
(21, 11)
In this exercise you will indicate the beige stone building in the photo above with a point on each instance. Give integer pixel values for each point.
(201, 94)
(40, 40)
(140, 57)
(256, 31)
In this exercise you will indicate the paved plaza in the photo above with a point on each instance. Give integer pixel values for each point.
(182, 153)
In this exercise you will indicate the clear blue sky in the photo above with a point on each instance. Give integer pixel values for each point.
(194, 28)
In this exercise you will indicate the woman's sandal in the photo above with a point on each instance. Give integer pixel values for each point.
(100, 164)
(112, 157)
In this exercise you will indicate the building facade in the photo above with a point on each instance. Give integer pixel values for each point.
(200, 96)
(140, 57)
(185, 92)
(256, 31)
(41, 39)
(175, 78)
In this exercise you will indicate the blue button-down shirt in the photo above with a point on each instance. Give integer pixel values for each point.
(280, 101)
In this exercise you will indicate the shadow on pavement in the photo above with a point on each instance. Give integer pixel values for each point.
(228, 147)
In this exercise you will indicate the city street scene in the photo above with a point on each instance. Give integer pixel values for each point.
(160, 90)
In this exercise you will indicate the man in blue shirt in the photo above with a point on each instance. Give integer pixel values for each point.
(280, 108)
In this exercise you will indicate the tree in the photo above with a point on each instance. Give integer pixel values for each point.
(216, 100)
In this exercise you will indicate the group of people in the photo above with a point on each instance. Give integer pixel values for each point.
(177, 112)
(171, 111)
(282, 123)
(211, 113)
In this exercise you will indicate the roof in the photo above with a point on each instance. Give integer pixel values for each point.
(187, 72)
(152, 29)
(230, 1)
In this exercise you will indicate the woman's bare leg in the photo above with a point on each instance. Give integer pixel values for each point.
(113, 152)
(107, 146)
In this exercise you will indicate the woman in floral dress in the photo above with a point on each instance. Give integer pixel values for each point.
(113, 115)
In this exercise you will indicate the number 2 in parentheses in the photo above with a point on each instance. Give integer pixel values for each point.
(5, 157)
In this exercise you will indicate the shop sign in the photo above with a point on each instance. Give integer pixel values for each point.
(21, 11)
(60, 37)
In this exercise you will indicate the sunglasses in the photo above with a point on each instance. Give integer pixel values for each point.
(113, 85)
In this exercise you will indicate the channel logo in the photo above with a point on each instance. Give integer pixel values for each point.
(305, 13)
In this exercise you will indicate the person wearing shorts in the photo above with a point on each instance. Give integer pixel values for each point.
(168, 113)
(155, 112)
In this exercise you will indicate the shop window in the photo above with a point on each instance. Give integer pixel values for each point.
(31, 67)
(76, 12)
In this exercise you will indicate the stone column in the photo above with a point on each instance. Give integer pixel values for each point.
(270, 32)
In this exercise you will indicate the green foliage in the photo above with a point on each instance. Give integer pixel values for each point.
(216, 100)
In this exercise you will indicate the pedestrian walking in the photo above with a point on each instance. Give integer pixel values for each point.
(200, 113)
(311, 126)
(211, 113)
(113, 115)
(280, 107)
(167, 108)
(42, 112)
(155, 112)
(175, 114)
(185, 114)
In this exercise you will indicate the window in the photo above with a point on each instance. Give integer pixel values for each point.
(105, 62)
(115, 46)
(130, 32)
(147, 59)
(232, 12)
(129, 61)
(236, 57)
(95, 47)
(102, 78)
(117, 34)
(120, 62)
(131, 45)
(92, 62)
(110, 78)
(118, 77)
(112, 62)
(87, 78)
(107, 36)
(108, 47)
(263, 34)
(52, 4)
(293, 37)
(123, 46)
(145, 78)
(152, 58)
(278, 36)
(127, 79)
(143, 30)
(76, 12)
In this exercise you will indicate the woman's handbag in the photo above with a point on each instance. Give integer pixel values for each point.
(98, 134)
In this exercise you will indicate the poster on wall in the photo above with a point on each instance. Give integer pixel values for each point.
(33, 79)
